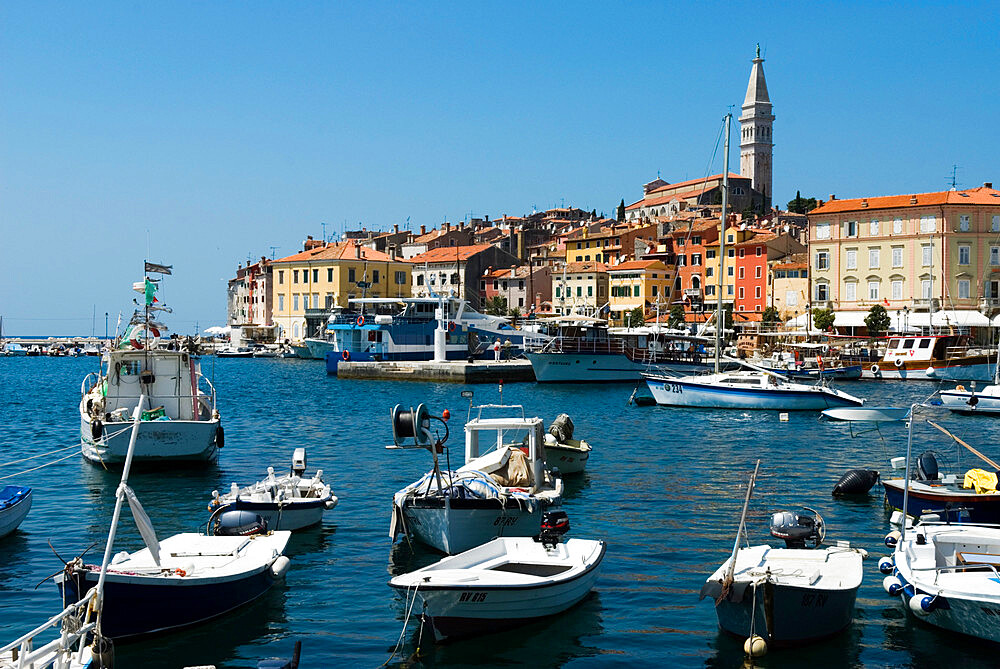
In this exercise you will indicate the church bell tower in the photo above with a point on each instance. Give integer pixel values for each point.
(756, 144)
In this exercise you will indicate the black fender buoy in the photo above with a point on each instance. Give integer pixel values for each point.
(856, 482)
(220, 437)
(96, 429)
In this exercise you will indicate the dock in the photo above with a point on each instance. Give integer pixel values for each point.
(452, 371)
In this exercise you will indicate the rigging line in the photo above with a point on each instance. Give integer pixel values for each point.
(40, 455)
(65, 457)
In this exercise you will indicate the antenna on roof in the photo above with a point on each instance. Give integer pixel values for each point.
(325, 240)
(954, 177)
(273, 249)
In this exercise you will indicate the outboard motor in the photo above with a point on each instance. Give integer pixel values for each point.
(299, 462)
(927, 467)
(562, 428)
(554, 525)
(856, 482)
(798, 529)
(238, 523)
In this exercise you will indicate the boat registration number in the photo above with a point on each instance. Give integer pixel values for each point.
(810, 600)
(505, 521)
(673, 388)
(472, 597)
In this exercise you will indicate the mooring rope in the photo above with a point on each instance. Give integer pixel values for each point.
(406, 620)
(65, 457)
(40, 455)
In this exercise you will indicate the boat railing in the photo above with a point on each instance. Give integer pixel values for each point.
(76, 625)
(202, 377)
(84, 388)
(960, 567)
(480, 407)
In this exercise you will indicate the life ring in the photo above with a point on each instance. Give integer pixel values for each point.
(874, 369)
(346, 355)
(898, 362)
(819, 361)
(451, 326)
(180, 572)
(361, 321)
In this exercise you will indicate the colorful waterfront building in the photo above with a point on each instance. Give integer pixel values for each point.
(638, 283)
(306, 286)
(911, 254)
(610, 245)
(580, 287)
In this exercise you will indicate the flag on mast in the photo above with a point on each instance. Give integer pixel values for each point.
(150, 292)
(156, 267)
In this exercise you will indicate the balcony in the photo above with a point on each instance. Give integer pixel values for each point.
(693, 293)
(925, 303)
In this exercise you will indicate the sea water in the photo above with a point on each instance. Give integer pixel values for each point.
(664, 488)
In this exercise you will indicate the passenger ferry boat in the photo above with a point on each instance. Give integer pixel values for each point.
(931, 357)
(584, 350)
(179, 419)
(388, 328)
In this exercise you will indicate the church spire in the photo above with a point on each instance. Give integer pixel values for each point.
(756, 121)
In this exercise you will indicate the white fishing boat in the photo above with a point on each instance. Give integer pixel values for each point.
(786, 596)
(747, 389)
(15, 502)
(502, 489)
(562, 451)
(987, 400)
(288, 502)
(180, 421)
(502, 583)
(183, 580)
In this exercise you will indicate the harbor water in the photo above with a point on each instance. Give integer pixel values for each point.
(663, 487)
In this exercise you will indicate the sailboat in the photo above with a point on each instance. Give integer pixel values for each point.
(754, 388)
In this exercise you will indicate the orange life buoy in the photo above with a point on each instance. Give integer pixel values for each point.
(819, 361)
(346, 355)
(180, 572)
(361, 320)
(451, 326)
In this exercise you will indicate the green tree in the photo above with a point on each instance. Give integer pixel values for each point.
(801, 205)
(621, 211)
(770, 316)
(635, 318)
(823, 318)
(676, 319)
(514, 314)
(877, 321)
(496, 305)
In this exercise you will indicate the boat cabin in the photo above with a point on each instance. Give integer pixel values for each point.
(169, 379)
(496, 436)
(925, 348)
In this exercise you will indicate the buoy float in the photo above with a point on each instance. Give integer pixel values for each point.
(922, 605)
(892, 539)
(874, 369)
(361, 320)
(755, 646)
(898, 362)
(892, 585)
(346, 355)
(280, 566)
(886, 565)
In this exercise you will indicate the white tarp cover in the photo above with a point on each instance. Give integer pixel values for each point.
(144, 524)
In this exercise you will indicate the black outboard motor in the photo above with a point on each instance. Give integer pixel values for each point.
(238, 523)
(554, 525)
(927, 467)
(798, 529)
(562, 428)
(856, 482)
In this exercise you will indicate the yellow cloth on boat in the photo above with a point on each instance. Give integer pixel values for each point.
(981, 480)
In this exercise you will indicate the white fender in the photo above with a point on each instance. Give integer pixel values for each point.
(280, 566)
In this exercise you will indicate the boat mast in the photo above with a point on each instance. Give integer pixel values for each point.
(719, 320)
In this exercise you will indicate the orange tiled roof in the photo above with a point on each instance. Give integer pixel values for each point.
(338, 251)
(759, 238)
(585, 266)
(450, 253)
(633, 265)
(691, 182)
(791, 265)
(980, 195)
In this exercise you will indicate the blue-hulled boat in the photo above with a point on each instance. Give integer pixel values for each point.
(15, 502)
(745, 390)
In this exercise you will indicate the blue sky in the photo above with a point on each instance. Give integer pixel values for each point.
(213, 131)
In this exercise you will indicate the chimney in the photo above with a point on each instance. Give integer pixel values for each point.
(357, 250)
(423, 229)
(987, 184)
(395, 229)
(447, 227)
(832, 197)
(913, 199)
(864, 202)
(392, 251)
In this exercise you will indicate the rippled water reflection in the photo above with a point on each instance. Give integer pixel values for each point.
(663, 488)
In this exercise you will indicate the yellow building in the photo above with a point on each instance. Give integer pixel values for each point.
(610, 245)
(638, 283)
(580, 287)
(711, 261)
(326, 276)
(908, 253)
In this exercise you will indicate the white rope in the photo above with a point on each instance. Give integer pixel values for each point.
(32, 457)
(65, 457)
(406, 620)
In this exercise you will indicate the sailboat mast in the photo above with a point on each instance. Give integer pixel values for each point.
(720, 322)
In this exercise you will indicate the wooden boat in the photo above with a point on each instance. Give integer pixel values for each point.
(15, 502)
(505, 582)
(562, 451)
(502, 489)
(287, 502)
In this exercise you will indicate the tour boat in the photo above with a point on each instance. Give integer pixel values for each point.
(749, 389)
(182, 580)
(287, 502)
(932, 357)
(180, 421)
(502, 489)
(502, 583)
(15, 502)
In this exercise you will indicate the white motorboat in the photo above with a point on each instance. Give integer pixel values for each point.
(15, 502)
(790, 595)
(233, 352)
(288, 502)
(502, 489)
(947, 576)
(748, 389)
(505, 582)
(562, 451)
(180, 422)
(969, 401)
(183, 580)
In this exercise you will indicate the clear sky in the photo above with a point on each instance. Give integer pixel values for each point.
(213, 131)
